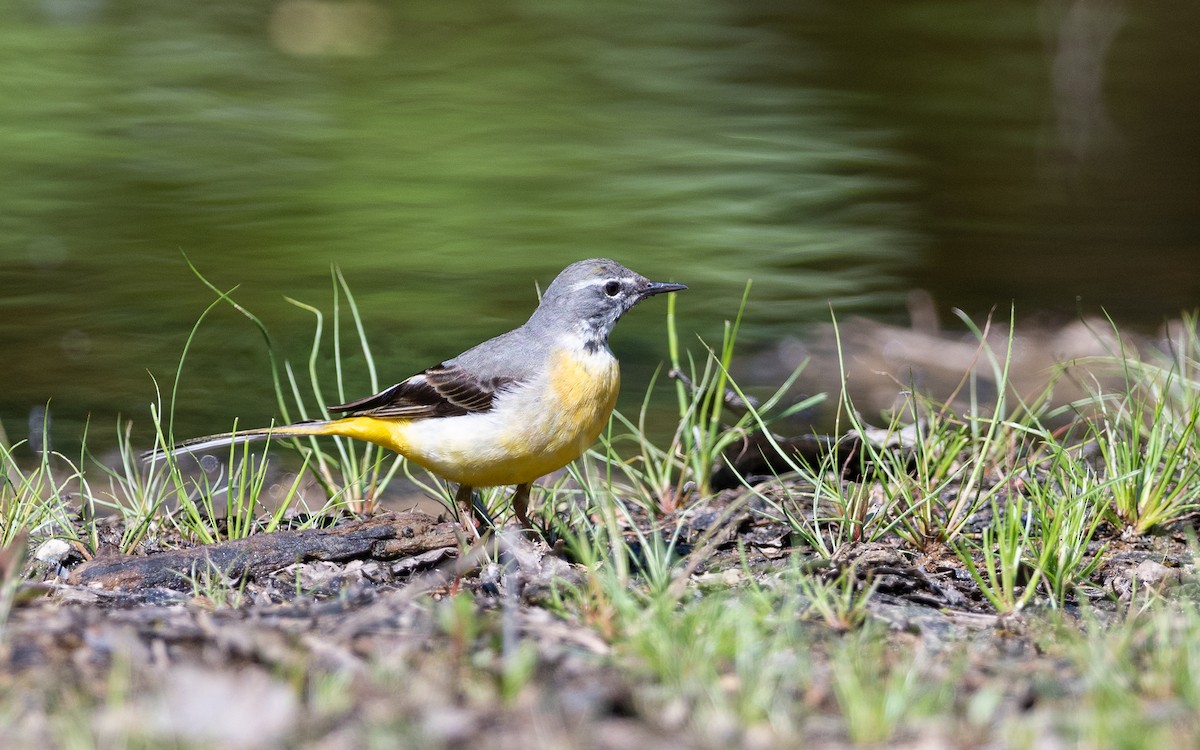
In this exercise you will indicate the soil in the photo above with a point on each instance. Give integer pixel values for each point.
(248, 667)
(378, 648)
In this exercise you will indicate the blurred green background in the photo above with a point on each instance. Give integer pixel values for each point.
(447, 156)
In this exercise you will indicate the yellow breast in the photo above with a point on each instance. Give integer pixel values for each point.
(563, 421)
(584, 393)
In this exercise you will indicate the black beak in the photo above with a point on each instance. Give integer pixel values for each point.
(660, 287)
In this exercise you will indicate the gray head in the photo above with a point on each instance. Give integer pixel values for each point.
(590, 296)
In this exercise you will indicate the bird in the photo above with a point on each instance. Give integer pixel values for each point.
(507, 411)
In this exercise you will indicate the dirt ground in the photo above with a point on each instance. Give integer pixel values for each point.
(406, 640)
(362, 651)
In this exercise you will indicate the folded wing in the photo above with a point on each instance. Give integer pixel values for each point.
(446, 390)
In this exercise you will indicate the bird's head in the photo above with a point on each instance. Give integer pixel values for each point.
(590, 296)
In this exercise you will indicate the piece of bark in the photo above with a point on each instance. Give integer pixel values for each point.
(387, 536)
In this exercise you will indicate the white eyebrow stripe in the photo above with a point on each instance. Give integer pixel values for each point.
(593, 282)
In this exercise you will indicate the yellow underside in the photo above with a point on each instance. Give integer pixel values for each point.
(532, 431)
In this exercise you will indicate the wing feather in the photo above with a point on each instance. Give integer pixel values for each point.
(446, 390)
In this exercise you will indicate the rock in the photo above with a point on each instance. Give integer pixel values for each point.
(53, 551)
(1155, 574)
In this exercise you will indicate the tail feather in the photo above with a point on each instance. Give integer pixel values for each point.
(210, 443)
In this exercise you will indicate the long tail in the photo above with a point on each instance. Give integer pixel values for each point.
(210, 443)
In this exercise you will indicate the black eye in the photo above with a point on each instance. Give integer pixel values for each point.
(611, 288)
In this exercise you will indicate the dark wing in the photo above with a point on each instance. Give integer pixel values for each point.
(446, 390)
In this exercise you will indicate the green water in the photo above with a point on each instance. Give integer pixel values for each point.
(448, 156)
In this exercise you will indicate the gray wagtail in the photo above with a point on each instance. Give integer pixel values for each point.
(509, 410)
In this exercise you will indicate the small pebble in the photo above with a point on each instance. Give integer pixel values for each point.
(52, 551)
(1154, 573)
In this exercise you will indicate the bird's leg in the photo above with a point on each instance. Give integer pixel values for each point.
(464, 500)
(471, 509)
(520, 504)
